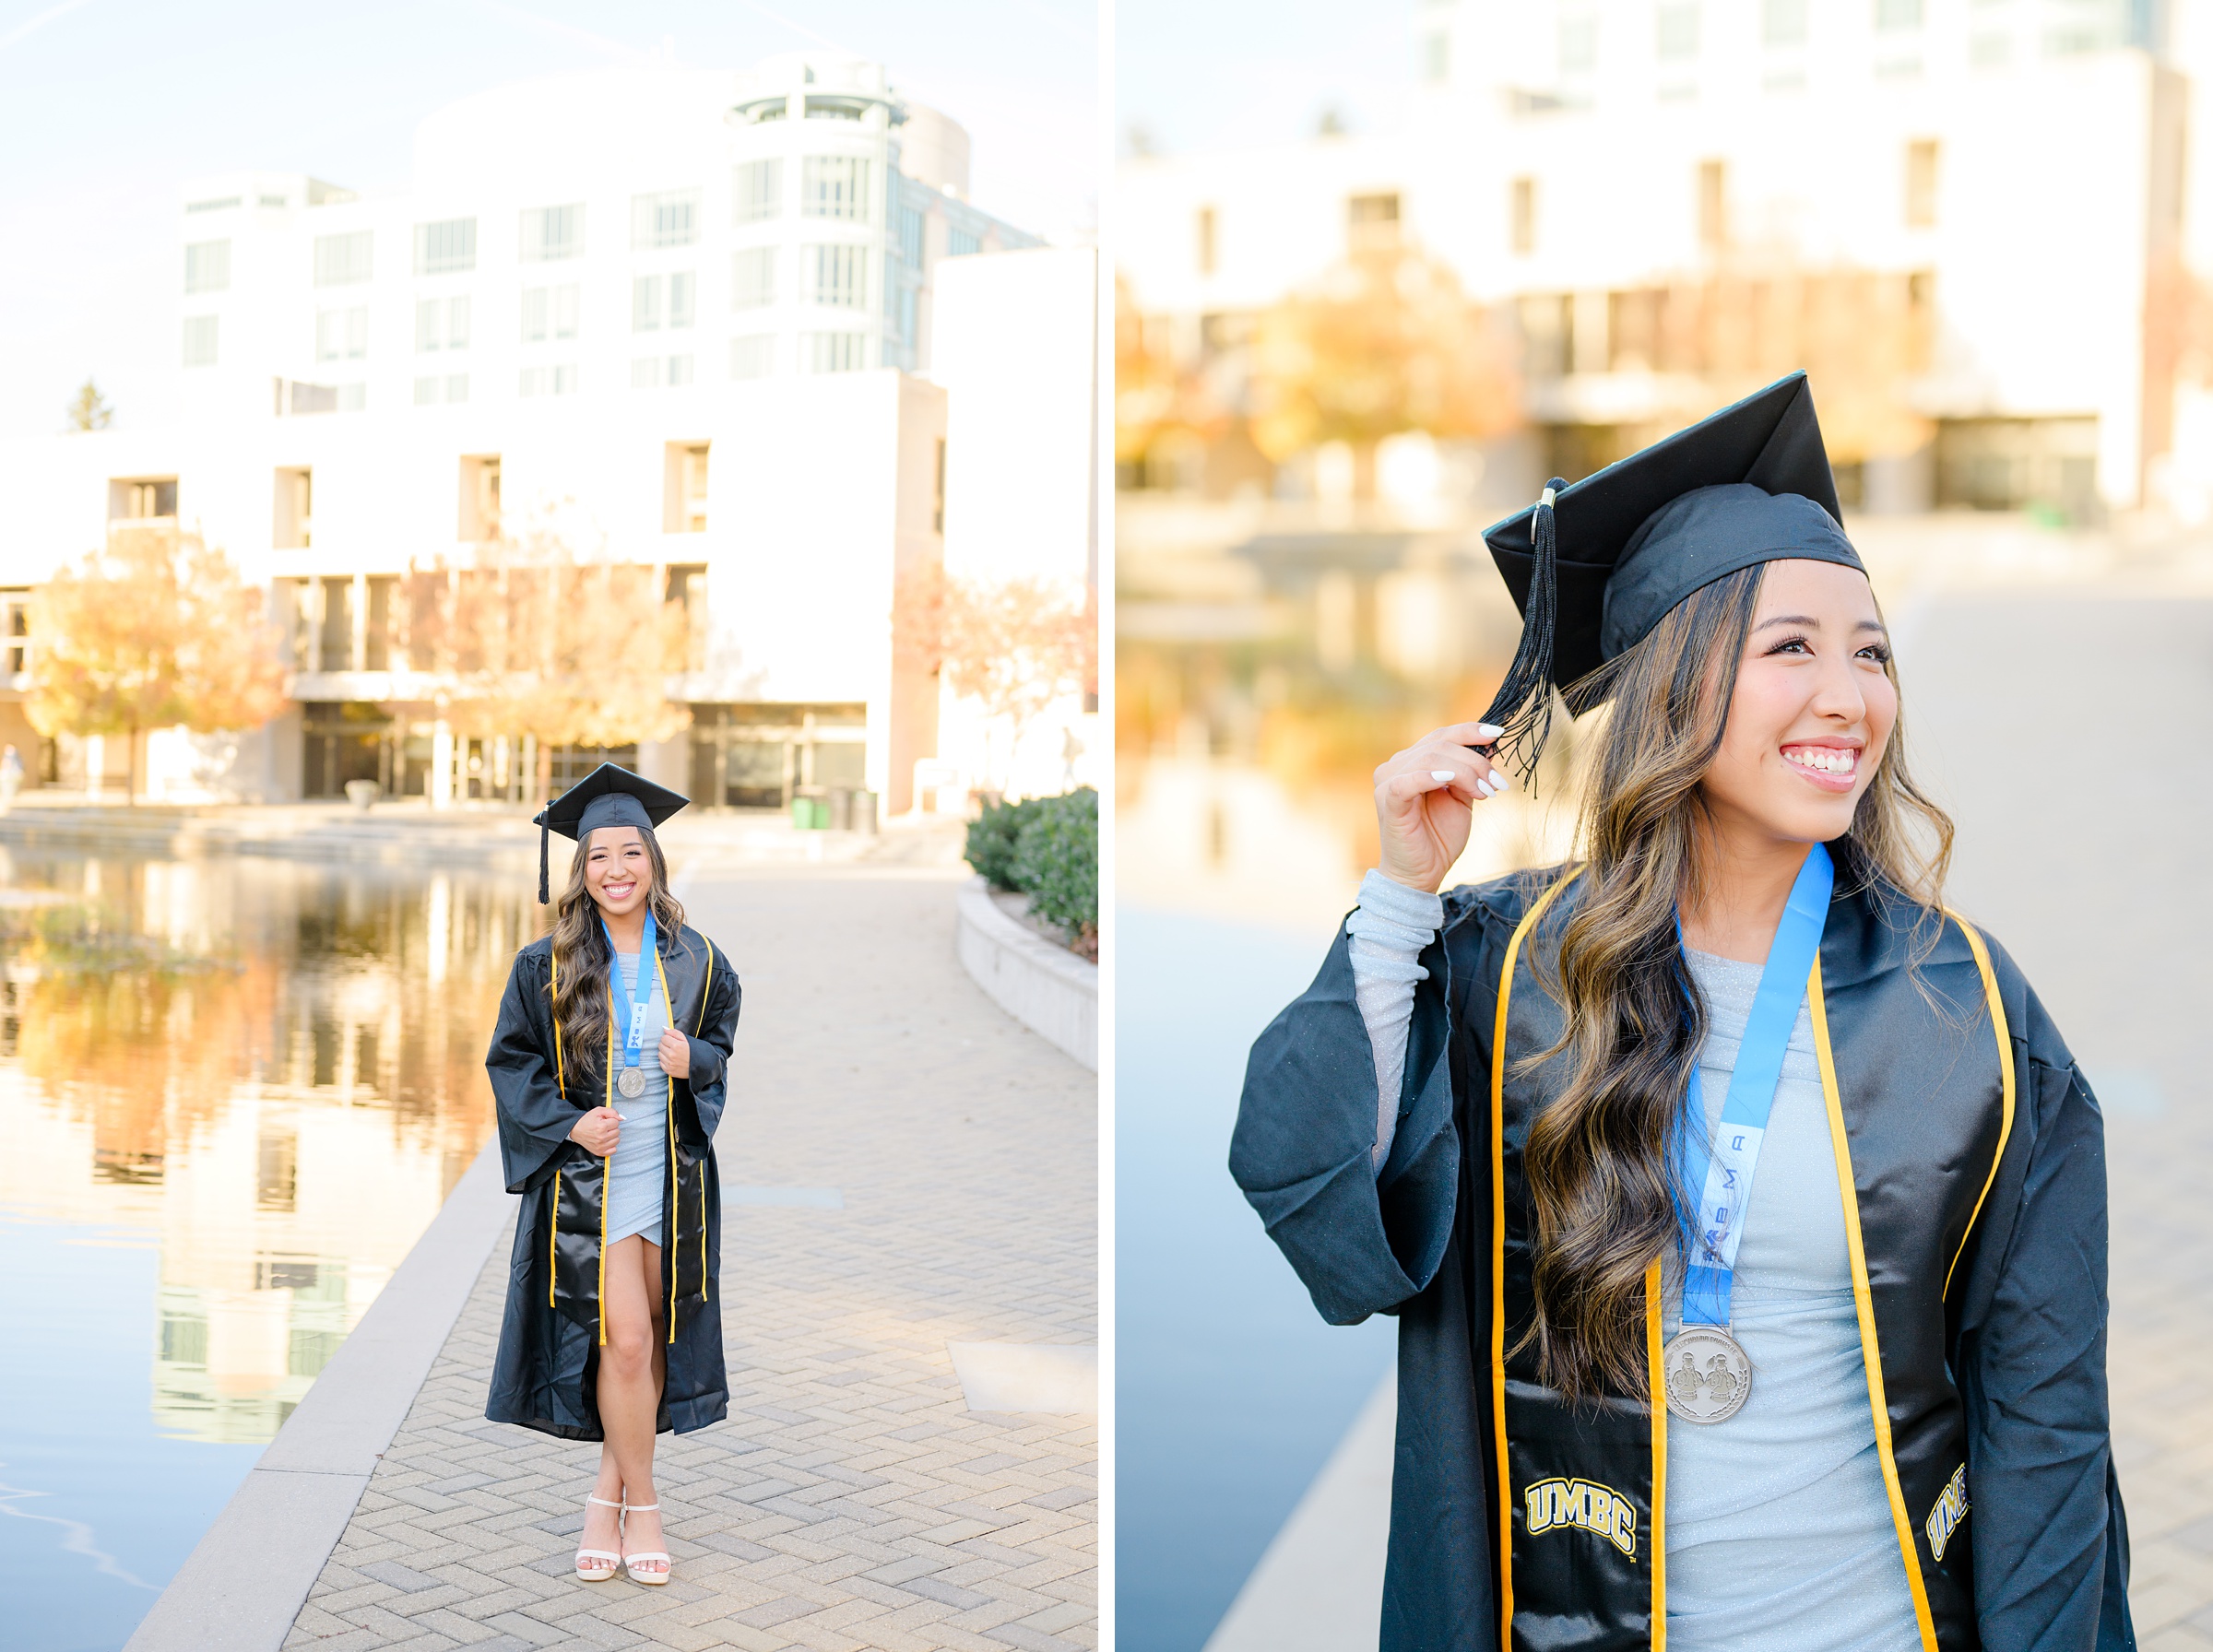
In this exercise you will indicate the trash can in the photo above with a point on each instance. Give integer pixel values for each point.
(841, 809)
(810, 814)
(864, 814)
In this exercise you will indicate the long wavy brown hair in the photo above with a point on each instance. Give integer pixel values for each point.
(582, 1007)
(1601, 1157)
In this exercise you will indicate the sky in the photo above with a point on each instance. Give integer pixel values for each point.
(1226, 73)
(106, 106)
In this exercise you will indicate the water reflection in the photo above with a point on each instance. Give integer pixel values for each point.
(259, 1076)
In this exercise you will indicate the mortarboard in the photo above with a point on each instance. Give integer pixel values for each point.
(1593, 567)
(606, 797)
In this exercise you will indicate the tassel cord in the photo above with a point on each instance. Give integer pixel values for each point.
(1522, 707)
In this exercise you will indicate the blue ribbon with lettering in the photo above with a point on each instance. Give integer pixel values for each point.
(631, 1018)
(1724, 1174)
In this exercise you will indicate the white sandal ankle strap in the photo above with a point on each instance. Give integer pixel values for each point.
(640, 1508)
(603, 1503)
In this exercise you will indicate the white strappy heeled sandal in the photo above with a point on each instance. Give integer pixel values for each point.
(594, 1573)
(629, 1561)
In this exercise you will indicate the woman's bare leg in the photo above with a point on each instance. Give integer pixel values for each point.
(631, 1368)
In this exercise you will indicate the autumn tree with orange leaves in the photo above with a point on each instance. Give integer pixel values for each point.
(544, 635)
(1387, 342)
(156, 631)
(1014, 646)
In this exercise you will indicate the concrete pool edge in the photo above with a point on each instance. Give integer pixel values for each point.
(242, 1586)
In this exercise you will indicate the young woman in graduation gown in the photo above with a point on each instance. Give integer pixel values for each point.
(613, 1328)
(1499, 1114)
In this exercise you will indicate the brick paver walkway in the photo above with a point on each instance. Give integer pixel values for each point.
(2067, 727)
(850, 1500)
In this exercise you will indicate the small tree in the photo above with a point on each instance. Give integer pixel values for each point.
(156, 631)
(543, 636)
(1386, 342)
(87, 409)
(1015, 646)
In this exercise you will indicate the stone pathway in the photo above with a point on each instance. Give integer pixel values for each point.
(850, 1500)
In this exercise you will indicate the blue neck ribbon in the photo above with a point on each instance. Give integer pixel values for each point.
(1724, 1174)
(631, 1018)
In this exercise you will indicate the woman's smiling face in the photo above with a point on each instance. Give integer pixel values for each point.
(1813, 709)
(617, 870)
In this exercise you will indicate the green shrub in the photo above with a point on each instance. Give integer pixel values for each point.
(1057, 862)
(991, 839)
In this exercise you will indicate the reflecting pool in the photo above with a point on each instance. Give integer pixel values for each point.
(233, 1091)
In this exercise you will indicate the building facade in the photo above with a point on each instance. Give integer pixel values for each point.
(1977, 224)
(679, 320)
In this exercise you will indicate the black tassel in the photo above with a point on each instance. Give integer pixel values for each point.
(1522, 707)
(545, 840)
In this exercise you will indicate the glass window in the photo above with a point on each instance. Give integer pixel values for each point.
(661, 300)
(426, 392)
(1578, 44)
(549, 381)
(757, 191)
(835, 186)
(681, 287)
(208, 267)
(430, 325)
(353, 398)
(1678, 32)
(646, 304)
(199, 341)
(753, 279)
(910, 234)
(342, 260)
(565, 380)
(837, 277)
(342, 334)
(669, 219)
(550, 313)
(835, 352)
(1896, 14)
(680, 369)
(457, 323)
(552, 232)
(1782, 22)
(445, 248)
(960, 242)
(457, 386)
(754, 356)
(645, 372)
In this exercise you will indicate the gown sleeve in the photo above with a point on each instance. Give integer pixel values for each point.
(1361, 1242)
(535, 1120)
(2051, 1550)
(712, 1038)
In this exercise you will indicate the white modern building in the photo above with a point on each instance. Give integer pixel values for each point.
(690, 315)
(1671, 199)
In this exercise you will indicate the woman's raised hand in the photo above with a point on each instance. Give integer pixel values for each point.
(1422, 798)
(597, 1130)
(675, 1052)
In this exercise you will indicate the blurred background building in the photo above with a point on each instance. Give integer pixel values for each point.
(703, 324)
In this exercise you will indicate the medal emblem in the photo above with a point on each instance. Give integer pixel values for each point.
(630, 1081)
(1706, 1374)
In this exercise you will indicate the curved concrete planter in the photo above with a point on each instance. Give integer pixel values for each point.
(1048, 988)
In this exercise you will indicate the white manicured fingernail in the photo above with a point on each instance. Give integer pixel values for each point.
(1486, 787)
(1487, 731)
(1440, 773)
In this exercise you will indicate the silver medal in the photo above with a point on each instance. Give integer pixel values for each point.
(1706, 1374)
(630, 1081)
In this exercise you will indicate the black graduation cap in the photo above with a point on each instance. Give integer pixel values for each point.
(606, 797)
(1593, 567)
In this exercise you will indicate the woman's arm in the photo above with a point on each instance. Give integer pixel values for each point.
(1390, 927)
(2051, 1548)
(535, 1120)
(710, 1040)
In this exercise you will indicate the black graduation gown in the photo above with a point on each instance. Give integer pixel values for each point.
(547, 1373)
(1977, 1223)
